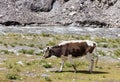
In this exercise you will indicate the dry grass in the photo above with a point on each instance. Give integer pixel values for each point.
(28, 67)
(33, 69)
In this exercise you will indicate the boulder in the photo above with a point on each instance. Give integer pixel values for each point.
(91, 13)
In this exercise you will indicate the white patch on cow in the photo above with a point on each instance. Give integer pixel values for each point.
(46, 50)
(71, 41)
(90, 43)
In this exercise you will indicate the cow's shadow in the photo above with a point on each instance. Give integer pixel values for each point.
(83, 71)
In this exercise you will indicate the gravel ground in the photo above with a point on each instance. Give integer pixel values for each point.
(99, 32)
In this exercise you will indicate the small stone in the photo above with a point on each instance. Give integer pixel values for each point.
(45, 75)
(72, 13)
(20, 63)
(118, 58)
(119, 35)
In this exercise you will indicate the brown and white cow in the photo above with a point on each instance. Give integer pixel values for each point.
(73, 48)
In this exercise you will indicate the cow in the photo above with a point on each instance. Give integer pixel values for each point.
(73, 49)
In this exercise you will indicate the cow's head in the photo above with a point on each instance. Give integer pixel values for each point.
(47, 52)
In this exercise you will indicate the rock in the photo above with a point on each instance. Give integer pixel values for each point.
(2, 69)
(89, 13)
(20, 63)
(45, 75)
(118, 35)
(35, 5)
(72, 13)
(42, 5)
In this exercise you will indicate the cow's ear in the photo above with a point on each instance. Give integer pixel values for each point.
(48, 47)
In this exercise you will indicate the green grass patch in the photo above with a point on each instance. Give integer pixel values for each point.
(117, 52)
(102, 53)
(27, 51)
(13, 76)
(47, 65)
(5, 52)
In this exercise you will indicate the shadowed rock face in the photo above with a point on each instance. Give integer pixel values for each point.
(91, 13)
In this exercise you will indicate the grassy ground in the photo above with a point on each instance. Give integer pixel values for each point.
(24, 63)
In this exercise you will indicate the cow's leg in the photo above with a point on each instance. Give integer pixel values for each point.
(63, 58)
(90, 58)
(61, 66)
(96, 55)
(71, 61)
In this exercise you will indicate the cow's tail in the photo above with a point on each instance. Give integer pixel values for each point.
(96, 60)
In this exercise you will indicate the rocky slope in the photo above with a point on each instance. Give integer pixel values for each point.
(94, 13)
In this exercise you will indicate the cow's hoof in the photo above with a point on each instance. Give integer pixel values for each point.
(90, 72)
(75, 71)
(59, 71)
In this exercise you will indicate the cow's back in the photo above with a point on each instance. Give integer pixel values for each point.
(75, 49)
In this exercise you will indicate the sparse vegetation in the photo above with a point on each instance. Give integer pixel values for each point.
(117, 52)
(27, 51)
(39, 53)
(48, 79)
(102, 53)
(13, 76)
(108, 42)
(31, 45)
(5, 52)
(31, 67)
(50, 43)
(47, 65)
